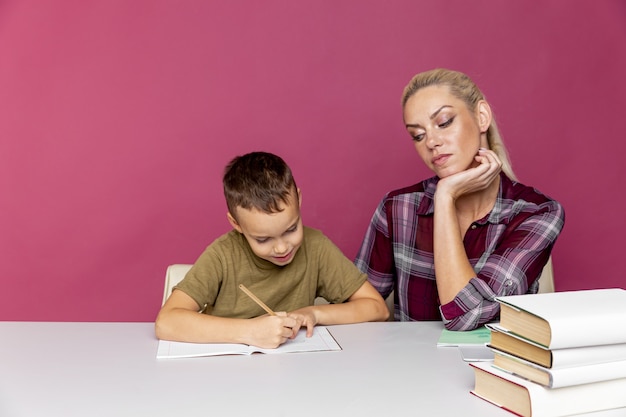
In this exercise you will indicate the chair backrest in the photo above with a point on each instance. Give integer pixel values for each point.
(174, 274)
(546, 279)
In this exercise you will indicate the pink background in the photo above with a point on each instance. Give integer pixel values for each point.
(117, 117)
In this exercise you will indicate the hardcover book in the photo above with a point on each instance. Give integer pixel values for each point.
(566, 319)
(559, 377)
(528, 399)
(507, 342)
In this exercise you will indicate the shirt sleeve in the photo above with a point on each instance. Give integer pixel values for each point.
(375, 257)
(339, 278)
(202, 281)
(512, 267)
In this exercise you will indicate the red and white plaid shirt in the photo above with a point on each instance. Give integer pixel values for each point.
(508, 249)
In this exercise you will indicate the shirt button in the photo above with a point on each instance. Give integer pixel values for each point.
(508, 283)
(474, 226)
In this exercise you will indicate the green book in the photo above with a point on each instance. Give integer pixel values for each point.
(480, 336)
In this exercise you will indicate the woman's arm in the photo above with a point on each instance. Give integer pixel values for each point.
(522, 248)
(452, 267)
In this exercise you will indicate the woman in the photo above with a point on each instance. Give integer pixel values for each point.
(451, 243)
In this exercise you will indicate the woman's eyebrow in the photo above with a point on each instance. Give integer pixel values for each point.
(432, 116)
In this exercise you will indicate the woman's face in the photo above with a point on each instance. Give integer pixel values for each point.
(446, 134)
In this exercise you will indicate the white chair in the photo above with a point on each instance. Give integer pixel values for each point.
(174, 274)
(546, 279)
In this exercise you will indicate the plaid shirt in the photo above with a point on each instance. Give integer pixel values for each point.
(508, 249)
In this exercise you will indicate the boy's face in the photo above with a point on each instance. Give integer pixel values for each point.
(275, 237)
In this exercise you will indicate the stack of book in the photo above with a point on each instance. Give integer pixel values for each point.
(557, 354)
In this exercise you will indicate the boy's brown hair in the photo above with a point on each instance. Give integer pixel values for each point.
(258, 180)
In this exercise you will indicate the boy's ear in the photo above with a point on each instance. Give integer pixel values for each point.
(299, 197)
(233, 222)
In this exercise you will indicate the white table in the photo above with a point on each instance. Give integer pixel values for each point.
(110, 369)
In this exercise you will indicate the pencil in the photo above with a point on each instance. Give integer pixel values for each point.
(256, 300)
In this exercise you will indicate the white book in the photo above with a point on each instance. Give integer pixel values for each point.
(566, 357)
(528, 399)
(321, 340)
(559, 377)
(567, 319)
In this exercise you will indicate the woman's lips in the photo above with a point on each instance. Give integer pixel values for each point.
(440, 160)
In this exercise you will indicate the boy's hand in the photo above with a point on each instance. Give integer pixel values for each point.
(272, 331)
(304, 317)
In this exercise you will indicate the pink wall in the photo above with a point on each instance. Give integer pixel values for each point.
(116, 119)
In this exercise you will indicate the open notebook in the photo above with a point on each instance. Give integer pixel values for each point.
(321, 340)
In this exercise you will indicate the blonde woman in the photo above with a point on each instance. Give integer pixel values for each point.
(451, 243)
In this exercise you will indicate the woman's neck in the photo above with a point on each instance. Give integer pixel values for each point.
(477, 205)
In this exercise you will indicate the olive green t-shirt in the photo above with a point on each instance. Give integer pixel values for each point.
(318, 268)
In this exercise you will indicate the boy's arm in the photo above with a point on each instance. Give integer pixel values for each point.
(365, 304)
(179, 320)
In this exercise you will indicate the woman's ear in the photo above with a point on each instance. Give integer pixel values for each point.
(484, 115)
(299, 197)
(233, 222)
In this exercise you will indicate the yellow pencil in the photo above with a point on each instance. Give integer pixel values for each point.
(256, 300)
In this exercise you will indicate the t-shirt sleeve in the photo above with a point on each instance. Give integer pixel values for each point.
(202, 281)
(339, 278)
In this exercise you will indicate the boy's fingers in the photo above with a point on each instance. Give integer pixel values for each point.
(295, 330)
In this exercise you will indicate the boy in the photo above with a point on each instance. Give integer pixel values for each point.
(283, 263)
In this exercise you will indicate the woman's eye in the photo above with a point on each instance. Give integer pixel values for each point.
(261, 240)
(446, 123)
(418, 137)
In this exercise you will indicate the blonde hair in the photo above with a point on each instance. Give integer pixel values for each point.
(462, 87)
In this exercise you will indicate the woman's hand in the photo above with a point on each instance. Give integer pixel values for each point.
(472, 179)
